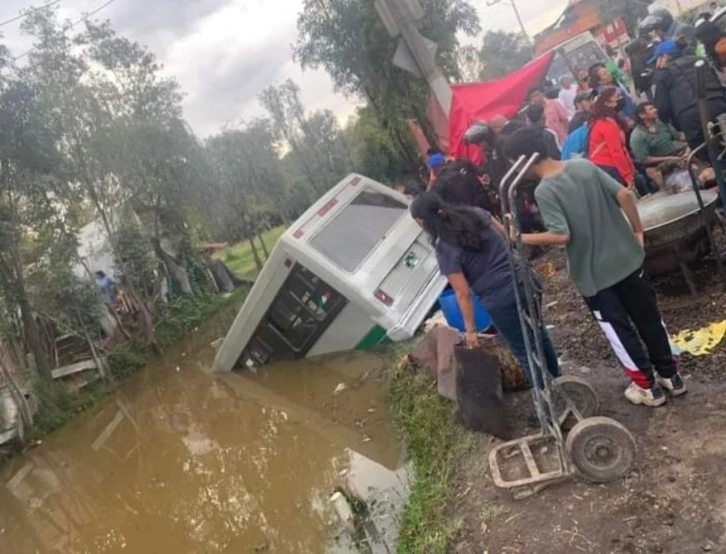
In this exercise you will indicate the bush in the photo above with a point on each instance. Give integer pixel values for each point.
(57, 405)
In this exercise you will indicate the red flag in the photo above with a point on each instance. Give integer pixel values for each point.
(482, 101)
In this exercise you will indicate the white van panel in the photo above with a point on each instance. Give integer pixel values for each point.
(349, 329)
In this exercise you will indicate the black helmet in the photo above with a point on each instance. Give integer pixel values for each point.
(479, 132)
(659, 19)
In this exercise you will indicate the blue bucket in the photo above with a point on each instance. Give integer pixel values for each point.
(450, 306)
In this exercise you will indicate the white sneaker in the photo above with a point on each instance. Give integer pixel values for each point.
(652, 397)
(675, 385)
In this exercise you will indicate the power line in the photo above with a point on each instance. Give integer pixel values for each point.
(69, 27)
(516, 13)
(27, 12)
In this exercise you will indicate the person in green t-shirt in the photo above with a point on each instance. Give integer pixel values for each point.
(657, 145)
(582, 208)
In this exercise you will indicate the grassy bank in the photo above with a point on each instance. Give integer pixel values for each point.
(57, 406)
(239, 258)
(435, 443)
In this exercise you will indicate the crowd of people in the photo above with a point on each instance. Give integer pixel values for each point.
(600, 145)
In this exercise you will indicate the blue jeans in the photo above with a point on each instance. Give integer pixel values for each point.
(641, 183)
(506, 320)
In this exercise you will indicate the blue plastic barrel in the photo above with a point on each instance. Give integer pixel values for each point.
(450, 306)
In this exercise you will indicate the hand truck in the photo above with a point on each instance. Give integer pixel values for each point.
(599, 448)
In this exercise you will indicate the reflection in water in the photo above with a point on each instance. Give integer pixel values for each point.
(183, 462)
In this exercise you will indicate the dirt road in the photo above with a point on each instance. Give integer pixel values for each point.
(674, 501)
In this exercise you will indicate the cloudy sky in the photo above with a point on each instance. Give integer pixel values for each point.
(224, 52)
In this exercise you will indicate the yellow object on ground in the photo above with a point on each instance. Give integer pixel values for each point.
(700, 341)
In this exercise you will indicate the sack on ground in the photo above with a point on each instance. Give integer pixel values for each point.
(479, 392)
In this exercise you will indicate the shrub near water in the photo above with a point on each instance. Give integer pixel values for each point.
(434, 442)
(57, 405)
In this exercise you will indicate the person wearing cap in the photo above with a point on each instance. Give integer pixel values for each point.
(583, 104)
(661, 24)
(675, 80)
(434, 162)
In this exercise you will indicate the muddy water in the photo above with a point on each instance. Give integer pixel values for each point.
(181, 461)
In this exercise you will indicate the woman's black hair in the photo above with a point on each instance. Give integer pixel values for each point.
(709, 34)
(535, 114)
(460, 226)
(458, 184)
(526, 142)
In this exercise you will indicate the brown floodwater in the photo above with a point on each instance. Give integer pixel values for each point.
(179, 460)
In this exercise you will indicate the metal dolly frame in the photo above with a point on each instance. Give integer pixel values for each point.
(599, 448)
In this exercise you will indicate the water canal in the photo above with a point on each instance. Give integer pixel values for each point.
(179, 460)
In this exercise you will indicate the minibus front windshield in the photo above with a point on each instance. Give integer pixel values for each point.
(349, 238)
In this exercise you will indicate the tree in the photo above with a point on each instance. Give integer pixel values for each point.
(349, 41)
(80, 107)
(371, 148)
(248, 181)
(501, 53)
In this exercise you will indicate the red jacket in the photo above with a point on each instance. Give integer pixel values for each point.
(608, 147)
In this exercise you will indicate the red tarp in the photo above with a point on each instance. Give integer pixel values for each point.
(482, 101)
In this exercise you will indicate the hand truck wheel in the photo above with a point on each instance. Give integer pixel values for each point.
(581, 394)
(601, 449)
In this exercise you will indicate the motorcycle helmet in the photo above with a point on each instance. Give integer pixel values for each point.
(479, 132)
(659, 19)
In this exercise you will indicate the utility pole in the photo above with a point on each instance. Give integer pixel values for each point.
(401, 17)
(512, 3)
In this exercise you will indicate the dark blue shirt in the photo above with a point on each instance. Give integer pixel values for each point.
(487, 271)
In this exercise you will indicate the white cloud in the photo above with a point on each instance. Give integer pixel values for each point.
(224, 52)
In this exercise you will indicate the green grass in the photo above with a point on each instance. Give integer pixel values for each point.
(435, 443)
(239, 259)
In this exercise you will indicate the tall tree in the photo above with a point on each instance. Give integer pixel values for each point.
(30, 166)
(348, 40)
(247, 183)
(501, 53)
(81, 109)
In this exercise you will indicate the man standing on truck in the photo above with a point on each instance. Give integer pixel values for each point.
(583, 207)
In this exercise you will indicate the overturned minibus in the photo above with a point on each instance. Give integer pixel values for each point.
(353, 271)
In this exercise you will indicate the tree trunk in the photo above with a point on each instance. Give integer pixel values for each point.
(264, 246)
(32, 338)
(255, 254)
